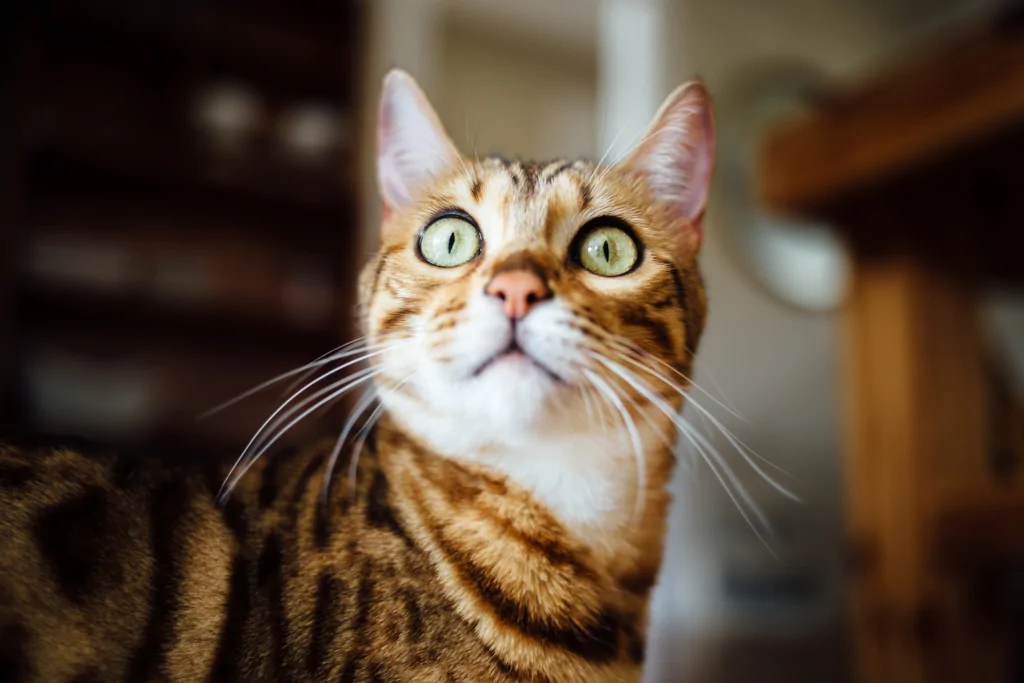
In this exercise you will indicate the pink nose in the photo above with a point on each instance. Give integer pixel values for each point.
(519, 291)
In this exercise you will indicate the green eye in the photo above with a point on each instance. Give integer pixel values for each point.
(608, 251)
(449, 241)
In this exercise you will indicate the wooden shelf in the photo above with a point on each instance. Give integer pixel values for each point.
(963, 92)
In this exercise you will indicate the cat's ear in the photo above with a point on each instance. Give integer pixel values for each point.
(676, 156)
(412, 146)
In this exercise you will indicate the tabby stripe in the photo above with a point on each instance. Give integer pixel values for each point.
(361, 624)
(586, 195)
(379, 511)
(476, 190)
(691, 316)
(326, 621)
(557, 172)
(394, 318)
(414, 613)
(167, 508)
(531, 174)
(227, 663)
(270, 578)
(595, 641)
(555, 553)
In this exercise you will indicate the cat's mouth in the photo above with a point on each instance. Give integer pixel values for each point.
(514, 353)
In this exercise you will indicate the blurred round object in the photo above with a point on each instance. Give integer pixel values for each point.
(799, 263)
(311, 132)
(228, 113)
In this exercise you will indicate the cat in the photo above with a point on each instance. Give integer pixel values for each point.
(500, 516)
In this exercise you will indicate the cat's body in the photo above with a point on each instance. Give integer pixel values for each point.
(529, 331)
(118, 568)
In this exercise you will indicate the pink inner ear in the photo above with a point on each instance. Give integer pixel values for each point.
(676, 158)
(412, 146)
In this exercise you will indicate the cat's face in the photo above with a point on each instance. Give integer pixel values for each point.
(506, 295)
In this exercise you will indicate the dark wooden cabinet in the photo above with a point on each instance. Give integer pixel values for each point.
(178, 207)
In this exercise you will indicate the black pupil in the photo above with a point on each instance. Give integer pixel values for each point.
(451, 242)
(607, 251)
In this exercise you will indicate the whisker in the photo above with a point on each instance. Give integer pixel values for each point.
(741, 447)
(705, 448)
(291, 387)
(604, 156)
(353, 467)
(634, 435)
(329, 358)
(365, 400)
(334, 392)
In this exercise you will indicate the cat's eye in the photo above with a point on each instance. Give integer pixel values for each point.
(607, 250)
(449, 241)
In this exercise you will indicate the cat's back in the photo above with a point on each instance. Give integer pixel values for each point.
(119, 567)
(94, 540)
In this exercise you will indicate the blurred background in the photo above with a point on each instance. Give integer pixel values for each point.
(186, 192)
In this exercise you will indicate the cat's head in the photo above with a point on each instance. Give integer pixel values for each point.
(507, 297)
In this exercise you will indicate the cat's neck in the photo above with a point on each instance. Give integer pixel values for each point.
(596, 482)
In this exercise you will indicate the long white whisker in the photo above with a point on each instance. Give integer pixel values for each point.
(368, 397)
(640, 353)
(333, 396)
(687, 429)
(604, 156)
(634, 435)
(330, 358)
(353, 466)
(742, 448)
(291, 387)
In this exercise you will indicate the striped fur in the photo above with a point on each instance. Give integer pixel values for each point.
(500, 528)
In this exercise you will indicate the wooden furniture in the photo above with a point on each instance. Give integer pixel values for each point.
(178, 211)
(920, 169)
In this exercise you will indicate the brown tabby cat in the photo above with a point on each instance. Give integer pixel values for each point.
(500, 518)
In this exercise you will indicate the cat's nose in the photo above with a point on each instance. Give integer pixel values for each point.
(519, 291)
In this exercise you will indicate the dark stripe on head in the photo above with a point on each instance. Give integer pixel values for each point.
(167, 509)
(531, 176)
(70, 535)
(476, 190)
(635, 314)
(550, 177)
(229, 660)
(586, 195)
(693, 308)
(394, 318)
